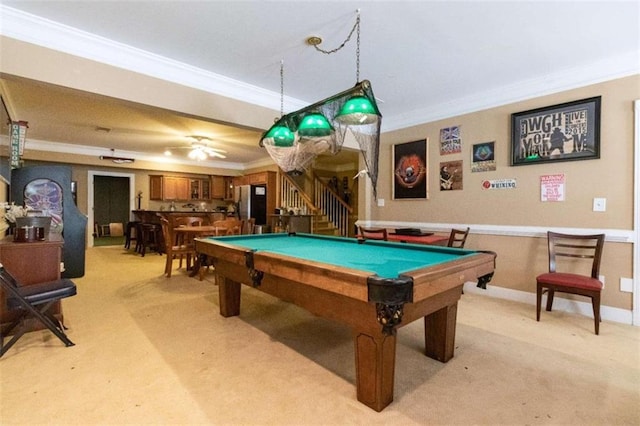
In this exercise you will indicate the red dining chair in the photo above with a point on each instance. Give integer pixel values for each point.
(572, 248)
(372, 233)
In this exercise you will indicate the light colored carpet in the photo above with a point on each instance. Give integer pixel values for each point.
(152, 350)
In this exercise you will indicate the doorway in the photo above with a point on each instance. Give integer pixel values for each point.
(110, 200)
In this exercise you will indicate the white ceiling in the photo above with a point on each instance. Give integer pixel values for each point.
(426, 60)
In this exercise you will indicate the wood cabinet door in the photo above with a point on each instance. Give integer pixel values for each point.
(155, 188)
(218, 187)
(228, 188)
(205, 192)
(195, 189)
(175, 188)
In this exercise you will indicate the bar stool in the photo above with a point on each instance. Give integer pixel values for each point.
(148, 237)
(130, 233)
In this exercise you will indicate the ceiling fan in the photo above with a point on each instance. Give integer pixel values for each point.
(199, 149)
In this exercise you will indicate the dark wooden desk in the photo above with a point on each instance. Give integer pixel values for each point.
(30, 263)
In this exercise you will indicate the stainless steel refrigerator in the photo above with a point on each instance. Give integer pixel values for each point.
(251, 202)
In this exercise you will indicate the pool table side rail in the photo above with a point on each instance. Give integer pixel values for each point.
(348, 281)
(428, 281)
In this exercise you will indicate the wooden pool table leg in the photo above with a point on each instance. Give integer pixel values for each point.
(375, 367)
(440, 333)
(229, 296)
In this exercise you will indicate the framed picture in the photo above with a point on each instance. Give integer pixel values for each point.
(565, 132)
(410, 170)
(451, 175)
(483, 157)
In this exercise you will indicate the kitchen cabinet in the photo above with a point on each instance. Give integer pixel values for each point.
(199, 189)
(218, 187)
(168, 188)
(228, 188)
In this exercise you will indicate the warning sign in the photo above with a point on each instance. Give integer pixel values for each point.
(552, 187)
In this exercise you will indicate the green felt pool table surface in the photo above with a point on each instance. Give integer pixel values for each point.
(385, 259)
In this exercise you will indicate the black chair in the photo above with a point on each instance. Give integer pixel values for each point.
(33, 301)
(130, 234)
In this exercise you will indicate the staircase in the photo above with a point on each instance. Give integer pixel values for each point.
(331, 215)
(323, 226)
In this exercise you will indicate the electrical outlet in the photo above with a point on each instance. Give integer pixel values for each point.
(599, 204)
(626, 285)
(380, 202)
(601, 278)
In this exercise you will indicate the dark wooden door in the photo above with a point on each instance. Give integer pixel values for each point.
(111, 200)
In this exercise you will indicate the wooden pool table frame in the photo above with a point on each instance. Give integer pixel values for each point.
(343, 295)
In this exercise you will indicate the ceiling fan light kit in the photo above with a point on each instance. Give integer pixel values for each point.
(199, 150)
(322, 126)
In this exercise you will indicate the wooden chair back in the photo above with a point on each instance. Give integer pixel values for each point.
(586, 247)
(175, 248)
(457, 238)
(228, 226)
(373, 233)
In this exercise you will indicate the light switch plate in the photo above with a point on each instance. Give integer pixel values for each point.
(599, 204)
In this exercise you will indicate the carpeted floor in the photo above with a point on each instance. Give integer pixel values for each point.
(108, 241)
(152, 350)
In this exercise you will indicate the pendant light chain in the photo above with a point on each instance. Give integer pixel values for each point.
(356, 26)
(281, 87)
(358, 49)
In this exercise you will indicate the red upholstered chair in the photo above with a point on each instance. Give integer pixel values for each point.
(373, 234)
(574, 248)
(457, 238)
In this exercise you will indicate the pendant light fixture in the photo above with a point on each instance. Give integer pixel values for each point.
(358, 109)
(282, 136)
(322, 127)
(314, 125)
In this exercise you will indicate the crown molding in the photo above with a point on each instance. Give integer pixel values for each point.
(571, 78)
(46, 33)
(43, 32)
(91, 151)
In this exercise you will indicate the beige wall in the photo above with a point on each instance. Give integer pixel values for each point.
(521, 258)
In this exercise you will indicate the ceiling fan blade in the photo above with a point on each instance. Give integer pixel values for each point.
(216, 154)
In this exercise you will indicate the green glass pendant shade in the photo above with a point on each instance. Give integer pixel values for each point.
(281, 136)
(357, 110)
(313, 125)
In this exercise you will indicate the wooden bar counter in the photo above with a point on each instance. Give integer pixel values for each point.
(153, 216)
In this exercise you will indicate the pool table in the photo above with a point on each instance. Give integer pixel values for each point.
(374, 287)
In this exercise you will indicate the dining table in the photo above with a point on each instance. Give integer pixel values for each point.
(187, 234)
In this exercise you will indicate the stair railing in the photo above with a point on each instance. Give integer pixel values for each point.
(329, 203)
(294, 197)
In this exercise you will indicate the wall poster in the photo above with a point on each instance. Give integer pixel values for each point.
(483, 157)
(564, 132)
(410, 170)
(451, 175)
(450, 141)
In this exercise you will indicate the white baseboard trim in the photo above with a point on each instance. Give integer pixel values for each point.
(559, 304)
